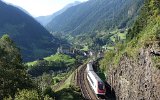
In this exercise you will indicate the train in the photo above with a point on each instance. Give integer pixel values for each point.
(95, 82)
(89, 67)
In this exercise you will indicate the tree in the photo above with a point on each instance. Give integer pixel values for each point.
(27, 95)
(13, 74)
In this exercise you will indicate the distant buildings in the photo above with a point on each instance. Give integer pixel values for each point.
(74, 52)
(65, 50)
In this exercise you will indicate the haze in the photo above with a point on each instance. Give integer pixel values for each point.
(41, 7)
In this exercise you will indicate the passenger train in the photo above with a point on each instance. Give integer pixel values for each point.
(89, 67)
(95, 82)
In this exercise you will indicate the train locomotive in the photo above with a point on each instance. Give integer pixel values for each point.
(95, 82)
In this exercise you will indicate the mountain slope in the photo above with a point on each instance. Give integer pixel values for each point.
(33, 40)
(96, 15)
(44, 20)
(133, 69)
(25, 11)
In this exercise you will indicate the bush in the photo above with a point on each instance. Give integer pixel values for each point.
(13, 74)
(27, 95)
(49, 93)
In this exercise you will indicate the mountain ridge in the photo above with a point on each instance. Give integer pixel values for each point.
(44, 20)
(95, 15)
(32, 38)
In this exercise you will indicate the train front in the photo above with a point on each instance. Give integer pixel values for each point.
(101, 89)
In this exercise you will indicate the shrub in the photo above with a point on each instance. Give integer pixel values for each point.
(27, 95)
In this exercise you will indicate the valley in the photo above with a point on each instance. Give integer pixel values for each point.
(47, 57)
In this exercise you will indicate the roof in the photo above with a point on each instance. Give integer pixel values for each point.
(89, 67)
(95, 75)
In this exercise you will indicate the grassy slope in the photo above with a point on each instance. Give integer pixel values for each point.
(56, 57)
(149, 33)
(61, 57)
(114, 35)
(67, 83)
(31, 63)
(67, 91)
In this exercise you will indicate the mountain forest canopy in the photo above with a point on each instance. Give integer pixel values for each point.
(44, 20)
(143, 34)
(96, 15)
(33, 40)
(96, 23)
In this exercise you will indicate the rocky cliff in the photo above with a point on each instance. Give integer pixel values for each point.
(136, 79)
(133, 69)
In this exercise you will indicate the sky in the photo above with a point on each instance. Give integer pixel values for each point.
(41, 7)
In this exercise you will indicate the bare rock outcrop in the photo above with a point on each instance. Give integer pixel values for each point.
(136, 79)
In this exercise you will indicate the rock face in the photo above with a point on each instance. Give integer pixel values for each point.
(136, 80)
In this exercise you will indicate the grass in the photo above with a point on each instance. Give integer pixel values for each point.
(71, 93)
(122, 36)
(58, 78)
(67, 83)
(85, 48)
(67, 91)
(113, 38)
(110, 48)
(117, 34)
(143, 40)
(145, 37)
(58, 63)
(156, 61)
(57, 58)
(61, 57)
(31, 63)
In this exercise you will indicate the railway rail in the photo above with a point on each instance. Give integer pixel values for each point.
(83, 83)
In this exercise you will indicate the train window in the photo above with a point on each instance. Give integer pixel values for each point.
(91, 80)
(100, 86)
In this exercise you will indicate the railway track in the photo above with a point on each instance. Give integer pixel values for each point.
(83, 83)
